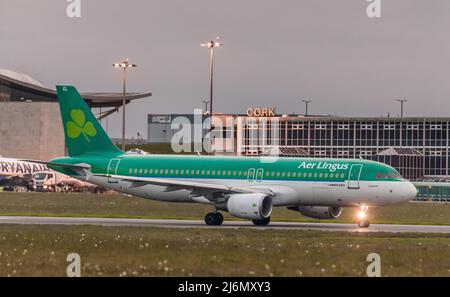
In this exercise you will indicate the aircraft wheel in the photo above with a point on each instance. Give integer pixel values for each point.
(363, 224)
(214, 219)
(262, 222)
(220, 218)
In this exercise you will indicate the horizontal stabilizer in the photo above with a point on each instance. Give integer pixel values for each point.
(65, 165)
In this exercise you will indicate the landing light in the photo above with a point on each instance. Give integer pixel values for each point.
(361, 215)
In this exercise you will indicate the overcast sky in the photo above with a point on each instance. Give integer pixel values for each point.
(275, 53)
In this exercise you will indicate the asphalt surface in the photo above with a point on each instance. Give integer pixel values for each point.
(230, 224)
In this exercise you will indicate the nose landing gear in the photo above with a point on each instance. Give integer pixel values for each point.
(363, 221)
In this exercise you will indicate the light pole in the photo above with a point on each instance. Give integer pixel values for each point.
(211, 45)
(401, 106)
(124, 65)
(306, 108)
(206, 105)
(139, 137)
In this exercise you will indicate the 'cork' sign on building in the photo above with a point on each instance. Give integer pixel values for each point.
(261, 112)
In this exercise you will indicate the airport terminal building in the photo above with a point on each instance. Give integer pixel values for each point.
(417, 147)
(30, 121)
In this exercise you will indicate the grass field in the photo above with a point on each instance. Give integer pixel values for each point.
(120, 206)
(136, 251)
(30, 250)
(159, 148)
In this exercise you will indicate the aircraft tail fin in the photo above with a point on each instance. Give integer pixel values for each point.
(83, 133)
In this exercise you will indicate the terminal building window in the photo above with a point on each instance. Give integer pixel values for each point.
(416, 147)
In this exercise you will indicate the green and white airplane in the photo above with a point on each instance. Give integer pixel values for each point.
(246, 187)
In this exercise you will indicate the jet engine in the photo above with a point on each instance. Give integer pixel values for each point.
(319, 212)
(252, 206)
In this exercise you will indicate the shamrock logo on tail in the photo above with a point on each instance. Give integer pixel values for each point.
(78, 126)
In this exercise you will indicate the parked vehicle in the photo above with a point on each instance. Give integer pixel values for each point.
(52, 181)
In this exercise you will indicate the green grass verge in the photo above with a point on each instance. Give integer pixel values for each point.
(159, 148)
(29, 250)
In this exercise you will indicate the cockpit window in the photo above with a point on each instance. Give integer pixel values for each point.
(393, 175)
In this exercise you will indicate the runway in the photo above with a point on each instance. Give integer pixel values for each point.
(331, 227)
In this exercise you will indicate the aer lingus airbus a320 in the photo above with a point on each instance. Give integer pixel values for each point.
(246, 187)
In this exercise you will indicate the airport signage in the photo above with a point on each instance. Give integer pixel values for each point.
(261, 112)
(20, 167)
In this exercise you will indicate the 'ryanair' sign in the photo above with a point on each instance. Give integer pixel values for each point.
(21, 167)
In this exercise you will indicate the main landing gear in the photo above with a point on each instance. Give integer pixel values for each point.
(214, 219)
(363, 221)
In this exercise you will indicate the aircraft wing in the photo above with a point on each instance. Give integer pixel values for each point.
(7, 180)
(16, 180)
(198, 187)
